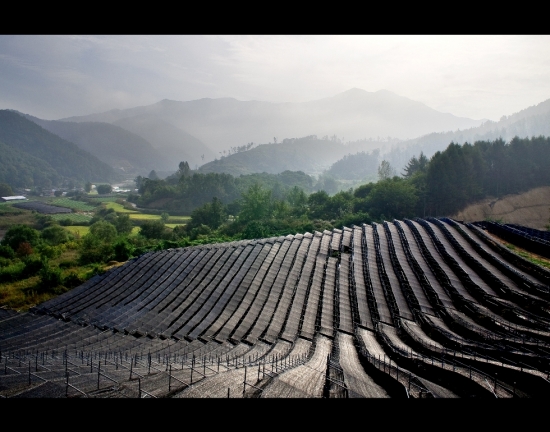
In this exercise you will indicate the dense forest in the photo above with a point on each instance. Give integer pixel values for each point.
(45, 159)
(186, 190)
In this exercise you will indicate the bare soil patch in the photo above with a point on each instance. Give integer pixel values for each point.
(530, 209)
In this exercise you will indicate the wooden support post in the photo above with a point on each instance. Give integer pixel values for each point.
(244, 382)
(29, 372)
(139, 387)
(98, 372)
(227, 392)
(170, 378)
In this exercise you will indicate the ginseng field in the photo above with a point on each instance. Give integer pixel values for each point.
(424, 308)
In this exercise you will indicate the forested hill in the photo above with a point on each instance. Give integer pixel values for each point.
(31, 145)
(23, 170)
(531, 122)
(309, 154)
(114, 145)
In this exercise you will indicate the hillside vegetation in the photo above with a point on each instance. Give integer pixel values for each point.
(118, 147)
(31, 142)
(308, 154)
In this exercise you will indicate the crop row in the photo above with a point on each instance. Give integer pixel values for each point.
(408, 308)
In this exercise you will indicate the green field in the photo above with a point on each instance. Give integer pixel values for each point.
(74, 217)
(7, 203)
(83, 230)
(69, 203)
(78, 230)
(106, 199)
(119, 208)
(142, 216)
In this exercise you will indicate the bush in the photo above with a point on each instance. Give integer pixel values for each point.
(50, 252)
(32, 267)
(104, 231)
(50, 277)
(54, 235)
(123, 251)
(104, 189)
(96, 269)
(18, 234)
(93, 250)
(153, 229)
(166, 244)
(350, 219)
(12, 272)
(24, 249)
(72, 280)
(255, 229)
(6, 252)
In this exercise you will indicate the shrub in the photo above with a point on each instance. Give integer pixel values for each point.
(104, 189)
(153, 229)
(50, 277)
(54, 235)
(32, 267)
(104, 231)
(93, 250)
(24, 249)
(255, 229)
(6, 252)
(12, 272)
(123, 251)
(72, 280)
(18, 234)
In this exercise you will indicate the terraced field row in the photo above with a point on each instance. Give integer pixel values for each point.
(414, 308)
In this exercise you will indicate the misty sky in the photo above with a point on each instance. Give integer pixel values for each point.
(478, 77)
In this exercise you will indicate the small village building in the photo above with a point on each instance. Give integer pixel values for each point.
(12, 198)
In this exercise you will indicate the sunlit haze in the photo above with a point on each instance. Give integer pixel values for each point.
(479, 77)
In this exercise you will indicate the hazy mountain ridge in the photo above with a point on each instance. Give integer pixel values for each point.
(112, 144)
(354, 114)
(66, 158)
(529, 122)
(173, 143)
(532, 121)
(309, 154)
